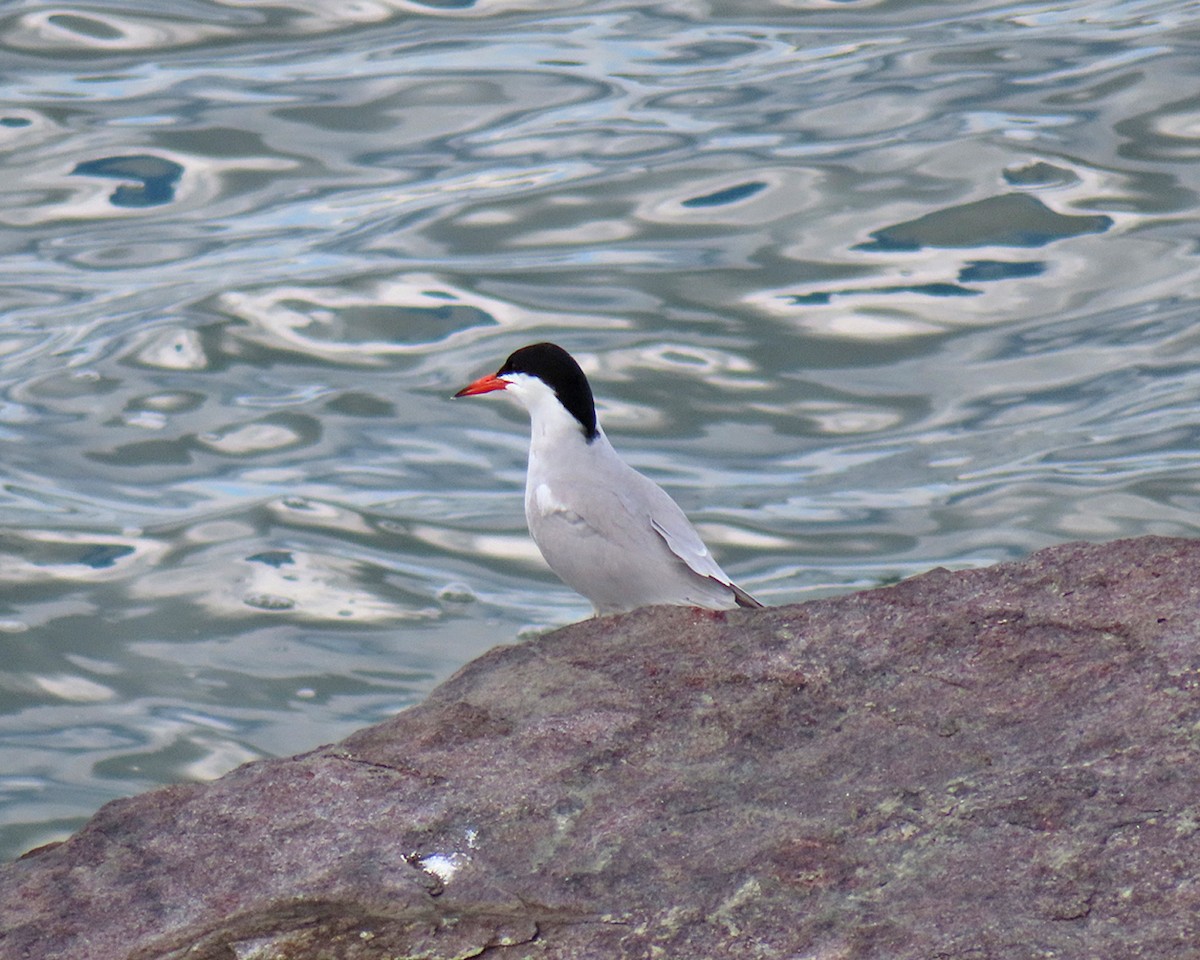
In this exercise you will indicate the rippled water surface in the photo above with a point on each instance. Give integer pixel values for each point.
(869, 286)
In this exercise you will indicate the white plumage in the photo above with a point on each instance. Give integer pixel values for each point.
(609, 532)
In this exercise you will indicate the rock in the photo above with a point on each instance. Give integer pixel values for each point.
(989, 764)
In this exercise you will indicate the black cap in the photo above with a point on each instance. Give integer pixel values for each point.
(558, 370)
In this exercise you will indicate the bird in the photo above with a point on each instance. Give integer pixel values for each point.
(608, 532)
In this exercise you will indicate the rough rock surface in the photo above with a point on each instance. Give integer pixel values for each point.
(998, 763)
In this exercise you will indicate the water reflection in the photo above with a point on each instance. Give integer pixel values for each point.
(149, 180)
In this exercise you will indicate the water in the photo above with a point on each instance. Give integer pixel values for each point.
(871, 287)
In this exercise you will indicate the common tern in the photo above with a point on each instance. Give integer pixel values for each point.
(606, 530)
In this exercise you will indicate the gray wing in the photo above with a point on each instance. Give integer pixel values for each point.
(683, 540)
(669, 522)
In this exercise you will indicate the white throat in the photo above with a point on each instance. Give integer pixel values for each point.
(553, 429)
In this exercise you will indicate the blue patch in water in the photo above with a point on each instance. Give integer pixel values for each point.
(273, 558)
(936, 290)
(823, 297)
(103, 555)
(728, 195)
(985, 271)
(1009, 220)
(155, 178)
(884, 242)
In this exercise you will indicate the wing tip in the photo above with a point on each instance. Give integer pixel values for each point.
(744, 599)
(741, 597)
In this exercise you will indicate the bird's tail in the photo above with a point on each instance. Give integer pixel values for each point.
(743, 598)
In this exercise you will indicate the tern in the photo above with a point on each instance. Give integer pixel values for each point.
(607, 531)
